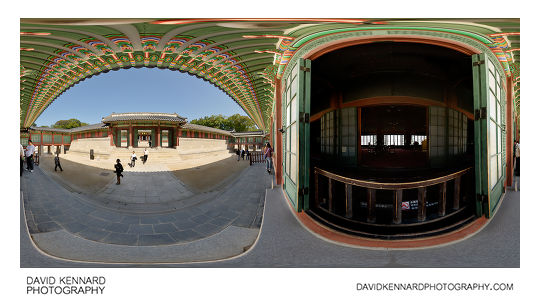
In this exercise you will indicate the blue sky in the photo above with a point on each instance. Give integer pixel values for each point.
(139, 90)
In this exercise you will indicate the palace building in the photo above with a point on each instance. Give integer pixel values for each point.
(387, 128)
(140, 130)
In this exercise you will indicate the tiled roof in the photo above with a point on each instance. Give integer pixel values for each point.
(73, 130)
(197, 127)
(48, 129)
(251, 133)
(89, 127)
(144, 116)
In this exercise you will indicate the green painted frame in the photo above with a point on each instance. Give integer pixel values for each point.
(297, 87)
(488, 196)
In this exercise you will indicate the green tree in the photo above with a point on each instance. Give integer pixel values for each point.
(68, 124)
(241, 123)
(214, 121)
(235, 122)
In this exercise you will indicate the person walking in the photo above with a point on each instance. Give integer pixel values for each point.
(243, 154)
(133, 158)
(247, 154)
(30, 149)
(268, 157)
(118, 169)
(237, 155)
(57, 163)
(145, 155)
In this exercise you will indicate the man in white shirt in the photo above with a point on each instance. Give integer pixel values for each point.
(145, 155)
(133, 158)
(30, 149)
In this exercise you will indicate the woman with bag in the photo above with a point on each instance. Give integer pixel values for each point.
(268, 157)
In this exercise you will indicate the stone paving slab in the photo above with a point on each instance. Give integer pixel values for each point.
(49, 207)
(119, 248)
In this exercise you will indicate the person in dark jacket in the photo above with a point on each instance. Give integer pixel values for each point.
(118, 169)
(57, 163)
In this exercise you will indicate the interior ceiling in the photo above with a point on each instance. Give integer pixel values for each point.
(242, 57)
(384, 57)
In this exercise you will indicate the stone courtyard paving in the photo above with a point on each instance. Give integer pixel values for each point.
(147, 209)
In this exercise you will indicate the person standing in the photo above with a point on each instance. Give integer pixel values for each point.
(118, 169)
(133, 158)
(268, 157)
(237, 155)
(22, 159)
(30, 149)
(145, 155)
(57, 162)
(243, 154)
(247, 154)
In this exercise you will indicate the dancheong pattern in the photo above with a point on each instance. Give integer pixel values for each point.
(243, 58)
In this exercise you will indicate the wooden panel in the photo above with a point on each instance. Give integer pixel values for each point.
(398, 197)
(348, 201)
(442, 199)
(330, 196)
(371, 194)
(421, 204)
(457, 188)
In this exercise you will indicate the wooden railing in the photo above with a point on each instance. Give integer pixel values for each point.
(256, 157)
(397, 189)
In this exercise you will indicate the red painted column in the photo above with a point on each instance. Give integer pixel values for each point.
(130, 135)
(158, 142)
(509, 132)
(278, 147)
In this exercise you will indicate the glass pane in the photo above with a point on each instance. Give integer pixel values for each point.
(499, 115)
(287, 139)
(499, 142)
(492, 138)
(500, 165)
(288, 164)
(492, 105)
(491, 67)
(294, 86)
(293, 137)
(493, 171)
(293, 173)
(492, 84)
(294, 109)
